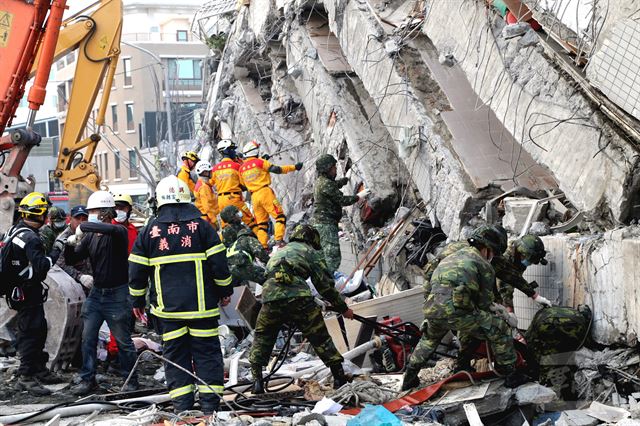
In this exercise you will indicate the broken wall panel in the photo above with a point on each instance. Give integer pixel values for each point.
(541, 107)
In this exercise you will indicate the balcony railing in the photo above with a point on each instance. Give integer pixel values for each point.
(159, 37)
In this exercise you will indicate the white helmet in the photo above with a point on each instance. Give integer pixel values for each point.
(251, 149)
(225, 144)
(100, 200)
(172, 190)
(203, 166)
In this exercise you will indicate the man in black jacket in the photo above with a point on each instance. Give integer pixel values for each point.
(27, 293)
(106, 247)
(182, 255)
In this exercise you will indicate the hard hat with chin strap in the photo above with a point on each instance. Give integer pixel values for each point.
(123, 198)
(172, 190)
(225, 144)
(251, 149)
(190, 155)
(202, 167)
(101, 200)
(33, 204)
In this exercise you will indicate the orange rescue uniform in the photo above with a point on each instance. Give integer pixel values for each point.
(226, 178)
(185, 175)
(257, 178)
(207, 202)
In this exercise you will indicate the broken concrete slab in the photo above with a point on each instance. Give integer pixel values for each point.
(607, 413)
(533, 393)
(516, 212)
(576, 418)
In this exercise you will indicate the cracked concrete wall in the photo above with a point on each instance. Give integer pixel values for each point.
(594, 165)
(344, 122)
(421, 137)
(601, 271)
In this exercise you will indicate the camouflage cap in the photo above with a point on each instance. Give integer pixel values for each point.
(229, 213)
(57, 214)
(325, 162)
(531, 248)
(307, 234)
(489, 236)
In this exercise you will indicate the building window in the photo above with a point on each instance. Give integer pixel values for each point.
(126, 63)
(116, 163)
(105, 162)
(131, 127)
(62, 96)
(71, 57)
(182, 35)
(114, 118)
(133, 164)
(185, 74)
(53, 128)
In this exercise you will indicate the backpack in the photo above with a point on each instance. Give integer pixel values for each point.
(8, 273)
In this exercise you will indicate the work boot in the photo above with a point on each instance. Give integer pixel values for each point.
(209, 407)
(32, 386)
(258, 384)
(339, 378)
(85, 387)
(410, 379)
(49, 378)
(516, 379)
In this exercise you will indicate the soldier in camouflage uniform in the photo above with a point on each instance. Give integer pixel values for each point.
(521, 253)
(328, 203)
(241, 254)
(287, 298)
(50, 231)
(232, 217)
(461, 299)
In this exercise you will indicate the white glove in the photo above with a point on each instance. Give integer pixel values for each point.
(86, 281)
(363, 194)
(79, 232)
(542, 300)
(72, 240)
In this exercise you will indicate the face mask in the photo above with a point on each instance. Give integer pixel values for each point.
(121, 216)
(525, 262)
(59, 225)
(93, 217)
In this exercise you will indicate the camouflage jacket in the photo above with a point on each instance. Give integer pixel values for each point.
(509, 275)
(230, 233)
(75, 271)
(48, 236)
(245, 249)
(461, 285)
(329, 200)
(288, 270)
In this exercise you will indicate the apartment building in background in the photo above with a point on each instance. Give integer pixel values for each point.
(156, 38)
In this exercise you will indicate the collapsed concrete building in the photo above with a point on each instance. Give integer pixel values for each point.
(442, 107)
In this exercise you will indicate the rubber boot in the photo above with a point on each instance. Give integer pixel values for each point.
(410, 379)
(339, 378)
(258, 384)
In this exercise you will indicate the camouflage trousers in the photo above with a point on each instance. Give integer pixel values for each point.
(330, 244)
(471, 329)
(301, 313)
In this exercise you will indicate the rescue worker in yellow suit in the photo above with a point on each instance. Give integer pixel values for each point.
(226, 179)
(206, 198)
(256, 176)
(189, 160)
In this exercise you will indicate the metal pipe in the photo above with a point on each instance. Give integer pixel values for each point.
(80, 410)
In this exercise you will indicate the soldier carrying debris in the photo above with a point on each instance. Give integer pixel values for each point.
(461, 298)
(182, 255)
(287, 299)
(242, 248)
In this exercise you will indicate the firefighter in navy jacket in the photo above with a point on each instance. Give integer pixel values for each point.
(186, 263)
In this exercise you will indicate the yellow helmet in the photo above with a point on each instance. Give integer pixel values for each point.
(190, 155)
(34, 204)
(123, 198)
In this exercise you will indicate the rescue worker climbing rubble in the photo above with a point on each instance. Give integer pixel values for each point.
(226, 179)
(520, 254)
(206, 198)
(51, 231)
(181, 254)
(105, 245)
(189, 160)
(256, 176)
(243, 248)
(462, 299)
(328, 202)
(287, 299)
(26, 292)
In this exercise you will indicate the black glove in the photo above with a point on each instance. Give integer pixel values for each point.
(298, 166)
(265, 156)
(342, 181)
